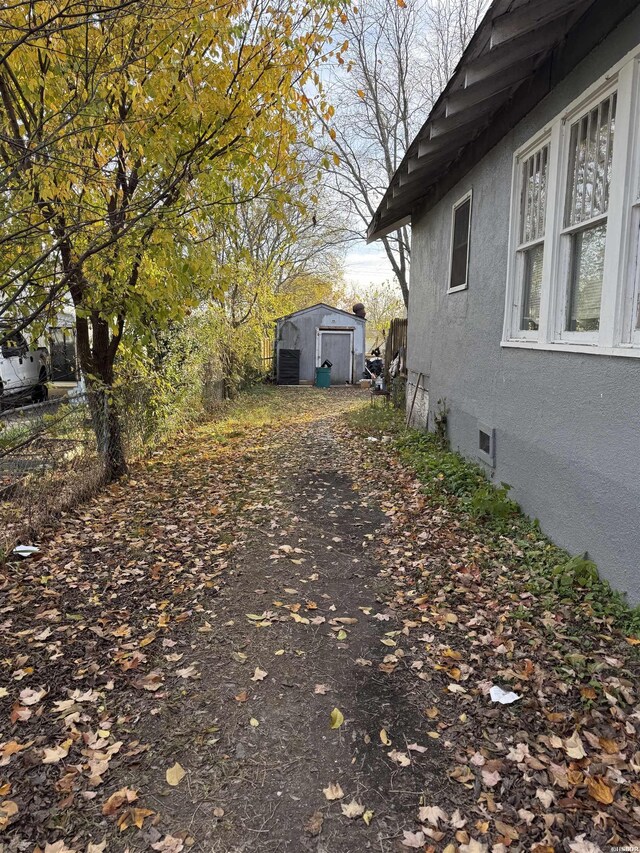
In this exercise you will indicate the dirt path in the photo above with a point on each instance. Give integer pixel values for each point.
(213, 611)
(275, 637)
(306, 570)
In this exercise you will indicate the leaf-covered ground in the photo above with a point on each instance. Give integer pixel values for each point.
(272, 638)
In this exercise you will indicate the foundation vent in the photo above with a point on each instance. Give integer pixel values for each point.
(487, 444)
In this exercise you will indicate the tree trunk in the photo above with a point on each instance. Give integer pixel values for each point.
(107, 426)
(96, 352)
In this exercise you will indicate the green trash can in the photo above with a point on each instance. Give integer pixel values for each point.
(323, 377)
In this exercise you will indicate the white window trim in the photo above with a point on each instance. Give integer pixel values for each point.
(515, 272)
(621, 280)
(468, 195)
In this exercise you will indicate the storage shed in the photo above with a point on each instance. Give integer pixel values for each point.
(307, 338)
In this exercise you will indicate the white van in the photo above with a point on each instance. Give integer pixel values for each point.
(23, 372)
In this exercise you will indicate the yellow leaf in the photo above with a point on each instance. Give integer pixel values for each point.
(253, 722)
(175, 774)
(342, 634)
(384, 738)
(367, 817)
(360, 94)
(337, 719)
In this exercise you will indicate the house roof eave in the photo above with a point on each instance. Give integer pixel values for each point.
(511, 63)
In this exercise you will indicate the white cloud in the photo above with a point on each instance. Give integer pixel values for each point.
(365, 265)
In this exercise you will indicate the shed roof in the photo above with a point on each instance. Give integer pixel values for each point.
(520, 51)
(322, 305)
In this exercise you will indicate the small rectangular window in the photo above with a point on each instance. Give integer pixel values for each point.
(460, 228)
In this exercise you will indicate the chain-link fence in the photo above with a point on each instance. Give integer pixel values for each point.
(55, 454)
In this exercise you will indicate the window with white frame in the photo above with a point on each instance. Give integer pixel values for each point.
(533, 207)
(460, 228)
(573, 278)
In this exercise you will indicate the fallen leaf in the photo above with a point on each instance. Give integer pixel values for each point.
(188, 672)
(333, 791)
(473, 847)
(573, 746)
(599, 790)
(432, 815)
(353, 809)
(336, 719)
(118, 799)
(415, 840)
(367, 817)
(52, 755)
(546, 797)
(253, 722)
(133, 817)
(313, 826)
(175, 774)
(259, 674)
(490, 777)
(384, 738)
(152, 681)
(400, 758)
(321, 689)
(169, 844)
(8, 809)
(32, 697)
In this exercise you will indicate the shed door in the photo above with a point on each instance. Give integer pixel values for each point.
(337, 346)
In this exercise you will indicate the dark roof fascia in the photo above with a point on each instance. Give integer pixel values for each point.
(599, 20)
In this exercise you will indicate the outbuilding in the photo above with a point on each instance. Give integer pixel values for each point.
(308, 338)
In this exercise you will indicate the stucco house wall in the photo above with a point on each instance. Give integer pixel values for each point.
(298, 331)
(567, 425)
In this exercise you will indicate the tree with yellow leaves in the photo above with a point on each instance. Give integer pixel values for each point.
(120, 127)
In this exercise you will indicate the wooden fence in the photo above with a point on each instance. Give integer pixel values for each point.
(396, 346)
(266, 355)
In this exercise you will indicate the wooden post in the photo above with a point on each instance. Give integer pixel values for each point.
(415, 391)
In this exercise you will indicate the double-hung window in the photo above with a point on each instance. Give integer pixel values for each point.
(574, 278)
(590, 155)
(531, 230)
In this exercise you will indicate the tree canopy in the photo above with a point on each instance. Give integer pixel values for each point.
(121, 126)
